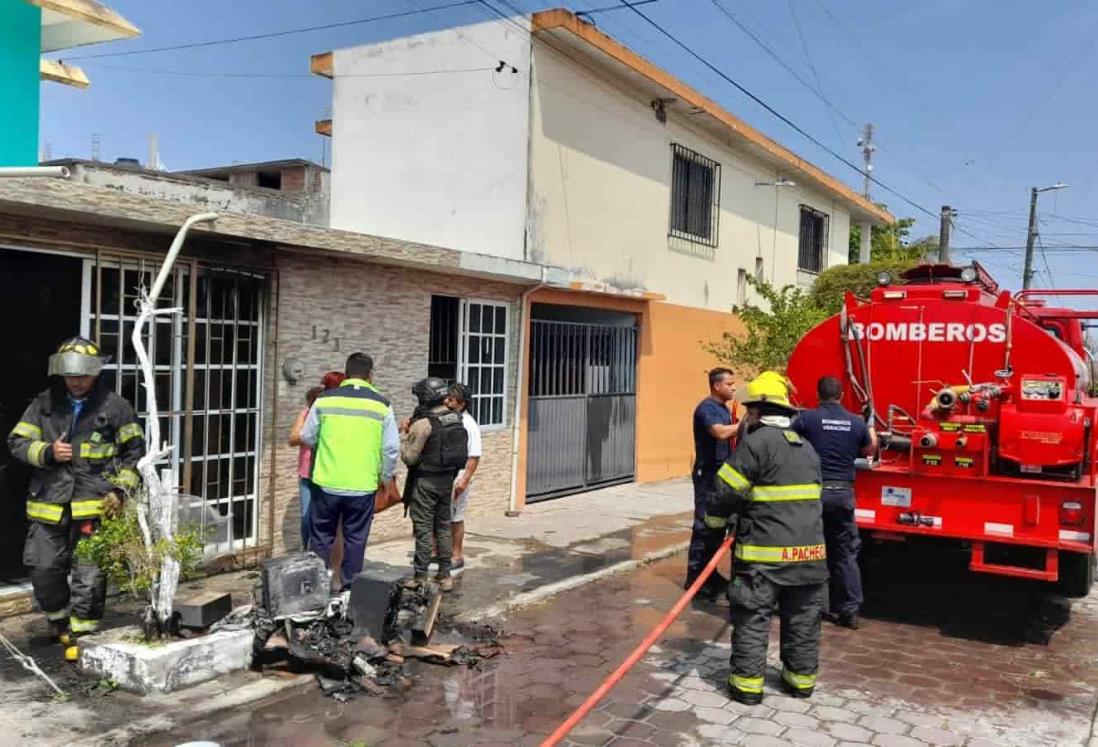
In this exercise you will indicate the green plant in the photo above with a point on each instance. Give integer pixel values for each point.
(119, 550)
(771, 331)
(831, 285)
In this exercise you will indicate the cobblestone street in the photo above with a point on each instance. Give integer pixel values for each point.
(943, 658)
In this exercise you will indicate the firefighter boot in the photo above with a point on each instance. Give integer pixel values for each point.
(72, 648)
(798, 685)
(746, 690)
(59, 630)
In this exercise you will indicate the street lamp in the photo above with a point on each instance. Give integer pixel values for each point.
(1027, 272)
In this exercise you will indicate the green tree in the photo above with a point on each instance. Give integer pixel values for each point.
(831, 285)
(771, 331)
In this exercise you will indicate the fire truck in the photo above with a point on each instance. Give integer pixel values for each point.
(984, 405)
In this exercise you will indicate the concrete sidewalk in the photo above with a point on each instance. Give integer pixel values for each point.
(510, 562)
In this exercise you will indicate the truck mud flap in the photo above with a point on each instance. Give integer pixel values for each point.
(1051, 571)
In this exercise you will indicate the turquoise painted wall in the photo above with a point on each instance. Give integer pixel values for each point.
(20, 42)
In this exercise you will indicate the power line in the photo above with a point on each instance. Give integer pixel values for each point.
(812, 65)
(283, 76)
(686, 48)
(1055, 249)
(275, 34)
(817, 92)
(1044, 259)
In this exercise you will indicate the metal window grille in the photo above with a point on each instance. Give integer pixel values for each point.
(483, 359)
(695, 196)
(442, 356)
(576, 358)
(811, 256)
(219, 451)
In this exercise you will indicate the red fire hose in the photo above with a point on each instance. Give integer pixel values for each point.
(607, 684)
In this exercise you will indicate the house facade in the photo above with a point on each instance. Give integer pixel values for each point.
(544, 139)
(268, 306)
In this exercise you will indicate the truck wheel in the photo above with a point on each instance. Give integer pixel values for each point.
(1076, 574)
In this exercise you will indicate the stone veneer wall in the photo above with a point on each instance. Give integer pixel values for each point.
(384, 311)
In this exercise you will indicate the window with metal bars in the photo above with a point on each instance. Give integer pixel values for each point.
(812, 255)
(695, 196)
(223, 458)
(468, 343)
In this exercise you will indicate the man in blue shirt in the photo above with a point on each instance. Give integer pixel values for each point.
(839, 437)
(714, 428)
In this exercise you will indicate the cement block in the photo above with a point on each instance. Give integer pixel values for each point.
(164, 668)
(204, 609)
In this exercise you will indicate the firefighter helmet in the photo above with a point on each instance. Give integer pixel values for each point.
(431, 391)
(769, 387)
(77, 356)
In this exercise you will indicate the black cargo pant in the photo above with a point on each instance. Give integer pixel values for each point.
(843, 544)
(432, 499)
(703, 540)
(49, 553)
(754, 598)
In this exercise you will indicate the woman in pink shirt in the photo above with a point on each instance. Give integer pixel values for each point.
(304, 463)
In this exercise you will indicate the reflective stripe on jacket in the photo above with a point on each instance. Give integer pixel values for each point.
(348, 454)
(106, 443)
(772, 483)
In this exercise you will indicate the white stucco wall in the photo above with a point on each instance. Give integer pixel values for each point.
(438, 158)
(600, 195)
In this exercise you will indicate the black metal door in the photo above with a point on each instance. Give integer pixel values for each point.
(582, 417)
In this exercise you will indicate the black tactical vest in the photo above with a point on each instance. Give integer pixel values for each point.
(447, 448)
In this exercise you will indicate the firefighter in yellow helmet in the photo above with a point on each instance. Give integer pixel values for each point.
(83, 442)
(768, 494)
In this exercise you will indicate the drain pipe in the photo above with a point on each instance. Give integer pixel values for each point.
(57, 172)
(173, 252)
(512, 503)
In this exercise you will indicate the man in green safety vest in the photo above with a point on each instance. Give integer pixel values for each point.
(83, 441)
(768, 494)
(355, 443)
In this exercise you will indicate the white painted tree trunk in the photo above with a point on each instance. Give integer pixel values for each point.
(157, 509)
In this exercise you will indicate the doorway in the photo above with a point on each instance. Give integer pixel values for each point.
(581, 426)
(40, 297)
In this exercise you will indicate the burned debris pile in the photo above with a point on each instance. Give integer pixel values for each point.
(361, 640)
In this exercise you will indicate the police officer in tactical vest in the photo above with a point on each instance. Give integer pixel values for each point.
(768, 494)
(83, 442)
(435, 447)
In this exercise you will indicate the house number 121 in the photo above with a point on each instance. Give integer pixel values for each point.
(324, 336)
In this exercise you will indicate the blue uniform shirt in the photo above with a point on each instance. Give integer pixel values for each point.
(838, 437)
(709, 452)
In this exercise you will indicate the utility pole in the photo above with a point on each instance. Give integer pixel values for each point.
(865, 142)
(1031, 236)
(943, 234)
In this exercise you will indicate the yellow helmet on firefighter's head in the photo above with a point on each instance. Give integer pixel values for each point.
(77, 356)
(769, 387)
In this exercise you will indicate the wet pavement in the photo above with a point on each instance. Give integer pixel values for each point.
(511, 562)
(943, 657)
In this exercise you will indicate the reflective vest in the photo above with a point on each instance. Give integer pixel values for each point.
(348, 449)
(772, 482)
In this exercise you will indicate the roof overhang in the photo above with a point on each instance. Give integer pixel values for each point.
(74, 23)
(63, 200)
(60, 72)
(599, 50)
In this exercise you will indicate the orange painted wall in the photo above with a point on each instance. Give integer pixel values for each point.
(670, 377)
(671, 382)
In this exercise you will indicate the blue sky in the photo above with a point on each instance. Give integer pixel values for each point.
(973, 102)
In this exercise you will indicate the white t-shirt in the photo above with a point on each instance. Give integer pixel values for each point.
(473, 431)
